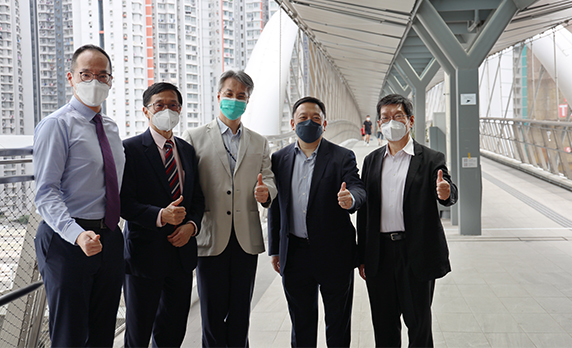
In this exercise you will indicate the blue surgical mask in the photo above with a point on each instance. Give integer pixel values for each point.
(232, 108)
(309, 131)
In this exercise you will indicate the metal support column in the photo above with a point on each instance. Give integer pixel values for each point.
(468, 147)
(418, 85)
(433, 31)
(397, 88)
(450, 88)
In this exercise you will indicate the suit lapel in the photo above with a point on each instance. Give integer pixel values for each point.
(152, 154)
(218, 145)
(379, 165)
(413, 168)
(288, 161)
(374, 179)
(242, 146)
(184, 162)
(319, 167)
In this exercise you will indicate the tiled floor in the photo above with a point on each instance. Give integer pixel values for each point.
(510, 287)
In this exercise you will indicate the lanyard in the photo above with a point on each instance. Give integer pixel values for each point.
(227, 151)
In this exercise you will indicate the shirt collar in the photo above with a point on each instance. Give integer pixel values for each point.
(82, 109)
(159, 139)
(408, 148)
(314, 154)
(224, 128)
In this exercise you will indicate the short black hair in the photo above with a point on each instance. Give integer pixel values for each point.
(309, 100)
(159, 87)
(89, 48)
(395, 99)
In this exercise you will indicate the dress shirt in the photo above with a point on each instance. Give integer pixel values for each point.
(68, 167)
(393, 176)
(231, 141)
(301, 180)
(160, 142)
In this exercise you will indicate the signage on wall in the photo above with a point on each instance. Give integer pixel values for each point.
(469, 99)
(562, 110)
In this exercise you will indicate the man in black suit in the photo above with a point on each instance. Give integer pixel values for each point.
(401, 242)
(311, 238)
(162, 201)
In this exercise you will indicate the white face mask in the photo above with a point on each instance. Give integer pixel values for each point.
(92, 93)
(166, 120)
(393, 130)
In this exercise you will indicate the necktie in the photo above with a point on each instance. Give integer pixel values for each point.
(172, 172)
(112, 207)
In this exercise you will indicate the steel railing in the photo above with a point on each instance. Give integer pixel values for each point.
(545, 146)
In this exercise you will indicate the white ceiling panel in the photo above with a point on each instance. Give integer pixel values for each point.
(361, 38)
(350, 21)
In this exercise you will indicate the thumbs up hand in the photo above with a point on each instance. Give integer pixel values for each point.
(261, 191)
(443, 188)
(173, 214)
(344, 197)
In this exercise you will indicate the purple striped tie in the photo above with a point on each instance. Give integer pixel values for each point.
(112, 207)
(172, 172)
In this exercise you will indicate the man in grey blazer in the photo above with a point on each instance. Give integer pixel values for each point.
(235, 173)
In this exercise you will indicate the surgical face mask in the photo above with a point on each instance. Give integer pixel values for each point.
(92, 93)
(165, 120)
(309, 131)
(393, 130)
(232, 108)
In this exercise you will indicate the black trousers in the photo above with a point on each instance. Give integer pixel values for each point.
(159, 307)
(226, 283)
(82, 292)
(394, 291)
(301, 283)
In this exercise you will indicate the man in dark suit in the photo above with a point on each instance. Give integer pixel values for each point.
(311, 238)
(162, 201)
(401, 242)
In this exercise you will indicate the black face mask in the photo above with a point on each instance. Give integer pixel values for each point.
(309, 131)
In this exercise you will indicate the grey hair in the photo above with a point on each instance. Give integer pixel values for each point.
(238, 75)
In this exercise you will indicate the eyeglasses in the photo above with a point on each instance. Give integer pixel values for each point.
(159, 106)
(398, 117)
(86, 76)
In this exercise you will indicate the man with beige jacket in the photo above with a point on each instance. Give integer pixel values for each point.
(235, 173)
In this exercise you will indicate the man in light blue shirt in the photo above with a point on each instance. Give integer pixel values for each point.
(310, 235)
(301, 182)
(78, 166)
(230, 142)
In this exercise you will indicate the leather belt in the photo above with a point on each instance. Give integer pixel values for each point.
(98, 224)
(393, 236)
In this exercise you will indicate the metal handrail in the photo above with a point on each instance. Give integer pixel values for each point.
(16, 294)
(538, 147)
(24, 151)
(532, 122)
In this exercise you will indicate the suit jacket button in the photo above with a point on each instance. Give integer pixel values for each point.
(228, 213)
(228, 192)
